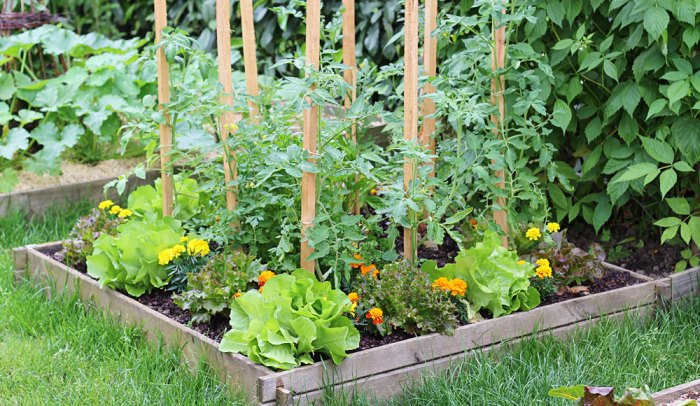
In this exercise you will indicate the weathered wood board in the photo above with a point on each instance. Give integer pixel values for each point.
(380, 370)
(671, 394)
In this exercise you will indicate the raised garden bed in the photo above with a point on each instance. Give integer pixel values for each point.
(689, 390)
(380, 370)
(37, 201)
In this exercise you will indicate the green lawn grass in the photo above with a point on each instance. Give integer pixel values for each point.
(60, 351)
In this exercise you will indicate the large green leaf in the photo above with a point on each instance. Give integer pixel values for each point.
(685, 135)
(656, 20)
(294, 317)
(17, 140)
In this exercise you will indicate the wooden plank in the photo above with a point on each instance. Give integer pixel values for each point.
(430, 68)
(389, 384)
(235, 369)
(685, 284)
(433, 346)
(166, 135)
(250, 63)
(498, 85)
(308, 180)
(410, 99)
(227, 120)
(621, 269)
(350, 76)
(671, 394)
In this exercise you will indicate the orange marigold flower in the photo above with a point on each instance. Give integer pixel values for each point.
(365, 269)
(441, 283)
(458, 287)
(373, 192)
(376, 315)
(356, 264)
(264, 277)
(354, 297)
(474, 223)
(237, 294)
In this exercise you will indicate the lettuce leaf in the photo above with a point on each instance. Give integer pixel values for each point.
(294, 317)
(496, 282)
(129, 261)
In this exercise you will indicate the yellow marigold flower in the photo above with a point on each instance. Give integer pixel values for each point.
(352, 308)
(105, 204)
(533, 234)
(458, 287)
(354, 297)
(115, 209)
(376, 315)
(197, 247)
(356, 264)
(544, 272)
(441, 283)
(542, 262)
(184, 238)
(165, 256)
(365, 269)
(521, 262)
(237, 295)
(553, 227)
(373, 192)
(264, 277)
(177, 250)
(123, 213)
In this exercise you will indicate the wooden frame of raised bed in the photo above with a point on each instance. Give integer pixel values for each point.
(671, 394)
(37, 201)
(380, 371)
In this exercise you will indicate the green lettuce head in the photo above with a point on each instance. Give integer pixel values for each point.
(294, 317)
(496, 281)
(129, 261)
(148, 201)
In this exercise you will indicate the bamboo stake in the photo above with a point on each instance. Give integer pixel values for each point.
(498, 85)
(250, 63)
(166, 134)
(308, 180)
(227, 119)
(410, 130)
(350, 75)
(430, 67)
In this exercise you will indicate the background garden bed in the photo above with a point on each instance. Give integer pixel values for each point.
(672, 394)
(380, 370)
(37, 201)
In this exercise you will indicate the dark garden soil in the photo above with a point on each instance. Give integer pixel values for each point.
(611, 280)
(161, 301)
(630, 247)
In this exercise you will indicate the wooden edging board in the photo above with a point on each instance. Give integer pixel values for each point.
(671, 394)
(378, 370)
(37, 201)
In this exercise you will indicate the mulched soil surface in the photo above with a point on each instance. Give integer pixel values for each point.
(640, 250)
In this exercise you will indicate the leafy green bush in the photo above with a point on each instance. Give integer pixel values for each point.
(211, 290)
(408, 301)
(77, 90)
(129, 261)
(294, 317)
(496, 281)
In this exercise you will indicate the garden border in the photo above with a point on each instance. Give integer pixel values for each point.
(671, 394)
(381, 370)
(37, 201)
